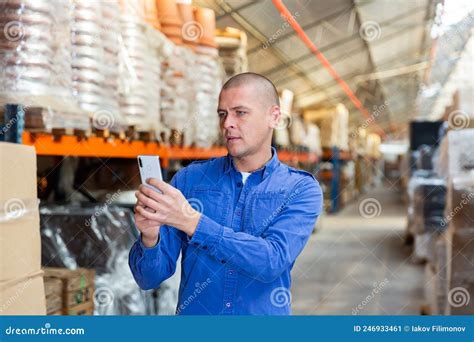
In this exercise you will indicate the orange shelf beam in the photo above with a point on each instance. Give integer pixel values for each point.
(68, 145)
(175, 152)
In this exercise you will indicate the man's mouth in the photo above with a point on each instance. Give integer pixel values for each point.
(230, 138)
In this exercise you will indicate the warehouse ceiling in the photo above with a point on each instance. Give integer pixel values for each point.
(380, 48)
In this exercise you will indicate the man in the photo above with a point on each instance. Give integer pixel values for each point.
(254, 215)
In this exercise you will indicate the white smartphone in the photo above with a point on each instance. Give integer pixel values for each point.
(149, 168)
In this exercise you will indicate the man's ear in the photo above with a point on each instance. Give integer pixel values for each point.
(275, 116)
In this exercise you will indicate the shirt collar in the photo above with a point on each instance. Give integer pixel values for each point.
(265, 169)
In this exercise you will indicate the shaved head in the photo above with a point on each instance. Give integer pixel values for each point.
(263, 85)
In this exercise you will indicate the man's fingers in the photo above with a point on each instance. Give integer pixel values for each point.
(146, 214)
(164, 187)
(147, 201)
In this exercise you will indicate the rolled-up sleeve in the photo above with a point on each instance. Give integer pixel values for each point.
(267, 256)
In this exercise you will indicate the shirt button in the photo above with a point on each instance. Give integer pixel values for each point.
(227, 304)
(239, 185)
(230, 272)
(223, 261)
(238, 212)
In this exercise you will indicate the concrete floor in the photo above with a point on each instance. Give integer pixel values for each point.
(359, 265)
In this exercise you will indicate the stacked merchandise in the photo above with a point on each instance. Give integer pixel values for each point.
(232, 45)
(21, 277)
(281, 134)
(35, 59)
(176, 92)
(427, 198)
(94, 76)
(348, 189)
(373, 145)
(333, 124)
(139, 71)
(207, 96)
(207, 87)
(456, 165)
(313, 139)
(103, 236)
(297, 131)
(76, 290)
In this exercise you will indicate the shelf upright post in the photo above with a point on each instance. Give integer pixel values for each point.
(335, 181)
(13, 124)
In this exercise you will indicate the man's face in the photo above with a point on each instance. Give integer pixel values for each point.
(246, 119)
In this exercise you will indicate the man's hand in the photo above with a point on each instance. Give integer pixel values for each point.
(169, 208)
(150, 229)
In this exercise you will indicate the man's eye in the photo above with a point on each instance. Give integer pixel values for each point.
(239, 112)
(221, 114)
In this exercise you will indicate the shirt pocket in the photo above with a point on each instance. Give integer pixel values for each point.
(264, 208)
(211, 203)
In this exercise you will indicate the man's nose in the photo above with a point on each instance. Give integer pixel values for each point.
(229, 121)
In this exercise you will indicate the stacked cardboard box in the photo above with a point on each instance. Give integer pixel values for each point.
(21, 278)
(457, 166)
(76, 290)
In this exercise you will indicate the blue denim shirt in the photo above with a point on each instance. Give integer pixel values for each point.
(239, 259)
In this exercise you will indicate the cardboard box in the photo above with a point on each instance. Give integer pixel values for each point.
(20, 247)
(19, 171)
(23, 296)
(460, 269)
(460, 207)
(20, 244)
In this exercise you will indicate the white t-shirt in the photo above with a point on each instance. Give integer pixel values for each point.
(245, 175)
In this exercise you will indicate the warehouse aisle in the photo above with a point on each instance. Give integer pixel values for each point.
(359, 265)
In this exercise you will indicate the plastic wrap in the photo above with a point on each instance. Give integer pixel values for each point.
(429, 202)
(35, 49)
(97, 237)
(456, 155)
(208, 87)
(95, 47)
(139, 76)
(313, 139)
(176, 91)
(35, 61)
